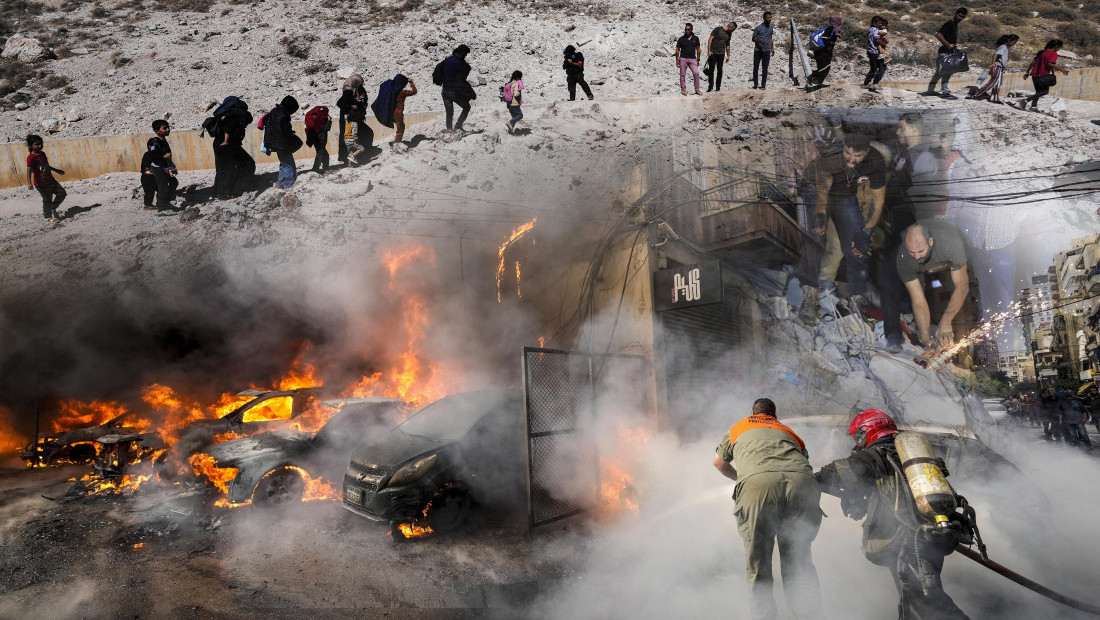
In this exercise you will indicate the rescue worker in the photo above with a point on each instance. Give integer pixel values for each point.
(776, 498)
(870, 484)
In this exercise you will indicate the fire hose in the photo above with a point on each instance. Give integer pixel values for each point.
(1027, 583)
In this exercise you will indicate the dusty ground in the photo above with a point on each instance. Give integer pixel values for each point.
(162, 556)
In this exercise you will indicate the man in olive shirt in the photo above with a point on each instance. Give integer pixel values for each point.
(718, 47)
(930, 246)
(776, 498)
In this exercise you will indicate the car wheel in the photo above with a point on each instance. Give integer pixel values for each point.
(449, 510)
(278, 488)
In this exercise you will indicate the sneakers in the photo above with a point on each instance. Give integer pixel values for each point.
(698, 92)
(508, 125)
(683, 92)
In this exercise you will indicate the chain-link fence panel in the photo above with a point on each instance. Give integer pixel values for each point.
(565, 392)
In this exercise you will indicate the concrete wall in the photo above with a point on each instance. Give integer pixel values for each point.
(85, 158)
(1080, 84)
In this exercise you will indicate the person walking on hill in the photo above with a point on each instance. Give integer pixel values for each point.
(875, 59)
(456, 88)
(40, 177)
(776, 499)
(233, 165)
(992, 88)
(162, 166)
(718, 47)
(688, 51)
(948, 36)
(513, 98)
(355, 135)
(1042, 71)
(318, 124)
(762, 51)
(399, 110)
(822, 43)
(280, 138)
(574, 73)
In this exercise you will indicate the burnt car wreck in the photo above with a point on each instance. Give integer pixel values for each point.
(74, 446)
(273, 468)
(427, 473)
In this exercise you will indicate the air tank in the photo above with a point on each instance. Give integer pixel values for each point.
(933, 493)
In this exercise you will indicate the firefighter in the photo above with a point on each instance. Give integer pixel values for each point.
(776, 498)
(870, 484)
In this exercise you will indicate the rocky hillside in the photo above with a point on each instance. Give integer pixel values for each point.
(75, 68)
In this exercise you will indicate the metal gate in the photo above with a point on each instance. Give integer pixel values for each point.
(567, 393)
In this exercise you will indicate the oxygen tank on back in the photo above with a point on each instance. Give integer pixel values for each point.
(933, 493)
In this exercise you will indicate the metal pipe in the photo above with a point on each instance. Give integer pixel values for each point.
(1027, 583)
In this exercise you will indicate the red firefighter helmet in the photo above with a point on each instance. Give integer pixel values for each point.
(870, 426)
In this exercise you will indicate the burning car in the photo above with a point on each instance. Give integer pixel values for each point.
(431, 470)
(278, 467)
(77, 445)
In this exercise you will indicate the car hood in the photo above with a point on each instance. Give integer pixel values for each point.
(257, 446)
(395, 448)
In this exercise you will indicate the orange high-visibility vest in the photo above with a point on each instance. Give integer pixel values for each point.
(763, 421)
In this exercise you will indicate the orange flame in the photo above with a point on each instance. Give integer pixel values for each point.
(617, 492)
(516, 235)
(205, 466)
(10, 441)
(178, 414)
(76, 414)
(317, 489)
(412, 530)
(414, 379)
(128, 484)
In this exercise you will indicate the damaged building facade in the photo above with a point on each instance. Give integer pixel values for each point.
(704, 275)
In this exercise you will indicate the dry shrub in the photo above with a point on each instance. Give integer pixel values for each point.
(1058, 14)
(175, 6)
(980, 30)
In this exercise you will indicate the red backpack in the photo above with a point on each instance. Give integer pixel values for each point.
(316, 118)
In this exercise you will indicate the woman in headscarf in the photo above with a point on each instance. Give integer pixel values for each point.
(821, 45)
(354, 132)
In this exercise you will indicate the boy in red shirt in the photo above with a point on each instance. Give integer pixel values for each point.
(40, 177)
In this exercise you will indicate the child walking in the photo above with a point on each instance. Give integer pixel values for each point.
(513, 97)
(40, 177)
(399, 109)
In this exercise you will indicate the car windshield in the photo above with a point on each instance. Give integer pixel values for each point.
(449, 419)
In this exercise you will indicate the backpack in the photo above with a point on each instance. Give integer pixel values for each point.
(316, 118)
(438, 76)
(210, 127)
(507, 92)
(816, 41)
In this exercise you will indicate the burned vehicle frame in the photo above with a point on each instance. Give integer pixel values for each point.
(75, 446)
(457, 453)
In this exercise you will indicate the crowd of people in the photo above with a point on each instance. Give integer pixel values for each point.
(235, 167)
(1064, 416)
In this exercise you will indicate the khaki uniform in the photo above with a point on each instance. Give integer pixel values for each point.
(776, 499)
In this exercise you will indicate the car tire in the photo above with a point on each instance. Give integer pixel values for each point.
(450, 510)
(279, 488)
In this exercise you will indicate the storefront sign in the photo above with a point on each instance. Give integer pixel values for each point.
(687, 285)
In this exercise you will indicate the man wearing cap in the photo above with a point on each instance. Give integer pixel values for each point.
(719, 48)
(776, 499)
